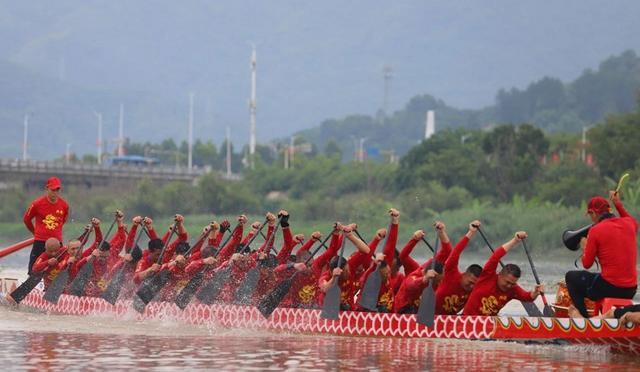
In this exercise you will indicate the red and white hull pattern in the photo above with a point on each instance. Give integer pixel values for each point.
(520, 329)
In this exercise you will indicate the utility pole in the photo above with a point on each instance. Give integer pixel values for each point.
(387, 74)
(361, 149)
(99, 116)
(430, 125)
(121, 132)
(252, 110)
(228, 151)
(292, 148)
(583, 153)
(190, 134)
(67, 154)
(25, 140)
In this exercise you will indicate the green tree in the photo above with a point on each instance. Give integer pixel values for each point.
(616, 144)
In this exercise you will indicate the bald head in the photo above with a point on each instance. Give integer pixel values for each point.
(51, 245)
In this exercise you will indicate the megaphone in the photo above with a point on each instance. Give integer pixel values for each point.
(571, 238)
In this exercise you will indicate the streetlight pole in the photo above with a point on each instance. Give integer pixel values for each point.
(361, 149)
(25, 142)
(99, 116)
(190, 161)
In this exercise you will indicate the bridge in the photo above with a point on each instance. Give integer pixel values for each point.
(33, 174)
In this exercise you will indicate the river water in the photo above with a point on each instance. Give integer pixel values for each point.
(37, 341)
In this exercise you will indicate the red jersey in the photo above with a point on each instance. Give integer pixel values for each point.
(486, 298)
(451, 296)
(367, 261)
(411, 288)
(613, 241)
(146, 261)
(349, 286)
(42, 266)
(50, 217)
(304, 289)
(102, 266)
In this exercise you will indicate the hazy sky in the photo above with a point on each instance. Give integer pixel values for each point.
(316, 60)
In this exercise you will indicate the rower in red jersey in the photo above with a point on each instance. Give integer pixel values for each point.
(492, 291)
(133, 254)
(241, 263)
(149, 265)
(343, 269)
(177, 266)
(208, 262)
(388, 264)
(455, 286)
(365, 263)
(105, 256)
(48, 262)
(216, 233)
(268, 262)
(407, 299)
(304, 290)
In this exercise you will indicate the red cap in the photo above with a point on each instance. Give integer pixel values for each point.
(599, 205)
(54, 183)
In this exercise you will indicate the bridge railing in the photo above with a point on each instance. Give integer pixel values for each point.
(49, 166)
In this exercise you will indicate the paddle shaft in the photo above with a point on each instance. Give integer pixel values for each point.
(266, 221)
(533, 269)
(488, 244)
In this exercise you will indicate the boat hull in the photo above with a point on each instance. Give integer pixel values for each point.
(519, 329)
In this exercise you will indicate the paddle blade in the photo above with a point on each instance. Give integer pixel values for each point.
(331, 305)
(245, 290)
(55, 289)
(210, 290)
(371, 291)
(186, 294)
(270, 302)
(427, 310)
(548, 311)
(150, 289)
(81, 280)
(531, 309)
(112, 291)
(26, 287)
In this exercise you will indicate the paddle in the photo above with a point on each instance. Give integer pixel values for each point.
(55, 289)
(427, 308)
(84, 275)
(184, 297)
(331, 305)
(546, 309)
(371, 289)
(28, 285)
(209, 291)
(246, 288)
(530, 307)
(112, 291)
(429, 245)
(152, 284)
(16, 247)
(621, 181)
(270, 302)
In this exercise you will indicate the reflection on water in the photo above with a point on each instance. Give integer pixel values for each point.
(48, 342)
(57, 351)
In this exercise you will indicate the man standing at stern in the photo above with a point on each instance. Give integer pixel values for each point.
(50, 212)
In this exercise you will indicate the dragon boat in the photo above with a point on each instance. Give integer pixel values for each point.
(543, 330)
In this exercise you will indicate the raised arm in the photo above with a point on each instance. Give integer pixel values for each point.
(392, 239)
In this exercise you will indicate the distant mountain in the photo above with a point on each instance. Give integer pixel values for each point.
(547, 103)
(316, 60)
